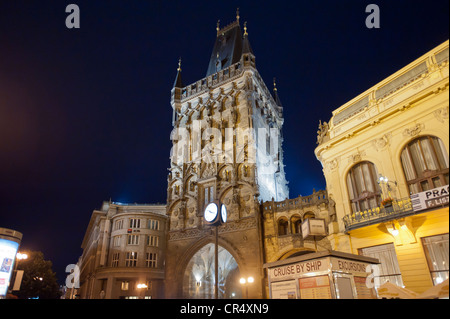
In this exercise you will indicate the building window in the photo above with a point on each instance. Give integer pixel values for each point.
(436, 250)
(118, 224)
(133, 239)
(362, 187)
(151, 260)
(425, 164)
(282, 227)
(131, 259)
(115, 260)
(135, 223)
(296, 223)
(389, 268)
(116, 241)
(125, 285)
(153, 241)
(153, 224)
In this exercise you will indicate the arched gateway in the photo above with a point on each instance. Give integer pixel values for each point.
(199, 277)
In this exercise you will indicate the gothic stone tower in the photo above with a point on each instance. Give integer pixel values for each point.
(227, 147)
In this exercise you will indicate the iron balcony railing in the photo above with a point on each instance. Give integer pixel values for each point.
(399, 208)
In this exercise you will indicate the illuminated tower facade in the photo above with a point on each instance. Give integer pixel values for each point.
(227, 147)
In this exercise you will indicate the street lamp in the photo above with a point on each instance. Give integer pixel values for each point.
(141, 287)
(21, 256)
(246, 282)
(383, 181)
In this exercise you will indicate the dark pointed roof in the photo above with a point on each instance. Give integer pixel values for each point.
(227, 48)
(246, 47)
(275, 94)
(178, 81)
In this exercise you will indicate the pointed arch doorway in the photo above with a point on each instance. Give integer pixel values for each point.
(198, 279)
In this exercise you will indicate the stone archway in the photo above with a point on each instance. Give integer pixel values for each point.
(198, 278)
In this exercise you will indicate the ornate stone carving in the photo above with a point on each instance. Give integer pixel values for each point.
(413, 131)
(332, 165)
(322, 133)
(441, 114)
(382, 142)
(356, 157)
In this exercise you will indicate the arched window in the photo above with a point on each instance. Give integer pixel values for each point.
(362, 186)
(296, 223)
(425, 164)
(282, 227)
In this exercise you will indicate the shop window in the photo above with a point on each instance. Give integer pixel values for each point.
(389, 270)
(436, 250)
(363, 189)
(425, 164)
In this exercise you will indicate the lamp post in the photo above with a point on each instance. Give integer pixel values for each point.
(142, 288)
(215, 217)
(386, 188)
(246, 282)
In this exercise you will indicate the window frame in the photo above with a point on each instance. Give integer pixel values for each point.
(427, 175)
(364, 196)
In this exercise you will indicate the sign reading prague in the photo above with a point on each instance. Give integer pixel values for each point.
(432, 198)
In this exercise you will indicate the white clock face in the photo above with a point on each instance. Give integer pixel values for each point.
(211, 212)
(223, 212)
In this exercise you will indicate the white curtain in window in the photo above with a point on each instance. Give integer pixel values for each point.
(437, 252)
(441, 152)
(408, 167)
(389, 268)
(428, 153)
(419, 161)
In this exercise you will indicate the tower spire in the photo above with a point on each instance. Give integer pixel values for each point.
(275, 93)
(178, 81)
(246, 48)
(237, 15)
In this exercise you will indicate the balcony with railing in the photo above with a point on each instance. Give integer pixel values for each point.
(397, 209)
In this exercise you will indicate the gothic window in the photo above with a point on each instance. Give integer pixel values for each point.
(283, 227)
(425, 164)
(296, 223)
(363, 189)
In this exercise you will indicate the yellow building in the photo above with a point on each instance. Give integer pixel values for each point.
(385, 160)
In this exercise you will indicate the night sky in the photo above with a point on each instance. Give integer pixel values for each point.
(85, 113)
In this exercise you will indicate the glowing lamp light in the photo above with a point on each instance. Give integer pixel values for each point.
(21, 256)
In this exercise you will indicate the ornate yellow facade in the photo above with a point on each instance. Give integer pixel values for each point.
(371, 150)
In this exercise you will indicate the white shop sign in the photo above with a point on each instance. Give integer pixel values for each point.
(432, 198)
